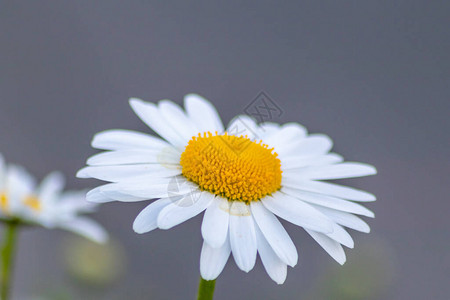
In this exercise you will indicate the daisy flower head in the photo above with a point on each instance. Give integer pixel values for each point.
(46, 204)
(243, 177)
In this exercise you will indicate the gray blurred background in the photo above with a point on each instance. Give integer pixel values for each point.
(374, 75)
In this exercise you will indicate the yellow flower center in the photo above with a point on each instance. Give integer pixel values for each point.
(33, 203)
(233, 167)
(3, 202)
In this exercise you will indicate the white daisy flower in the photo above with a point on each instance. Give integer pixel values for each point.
(244, 178)
(46, 205)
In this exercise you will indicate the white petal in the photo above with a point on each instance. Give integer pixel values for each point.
(150, 115)
(19, 184)
(337, 171)
(329, 201)
(75, 202)
(294, 162)
(242, 236)
(96, 196)
(167, 156)
(148, 188)
(111, 192)
(243, 125)
(289, 133)
(121, 139)
(275, 234)
(341, 236)
(268, 128)
(345, 219)
(203, 114)
(313, 145)
(87, 228)
(328, 189)
(213, 260)
(215, 222)
(147, 219)
(176, 118)
(297, 212)
(51, 186)
(177, 212)
(20, 179)
(333, 248)
(123, 172)
(275, 267)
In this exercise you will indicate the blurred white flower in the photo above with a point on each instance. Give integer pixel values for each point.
(243, 177)
(45, 204)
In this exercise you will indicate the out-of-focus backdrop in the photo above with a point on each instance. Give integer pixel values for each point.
(373, 75)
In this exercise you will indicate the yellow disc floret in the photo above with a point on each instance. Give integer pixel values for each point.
(33, 202)
(230, 166)
(3, 202)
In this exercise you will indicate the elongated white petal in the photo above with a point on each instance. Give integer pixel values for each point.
(19, 181)
(313, 145)
(121, 139)
(96, 196)
(87, 228)
(19, 184)
(150, 115)
(337, 171)
(275, 267)
(124, 157)
(75, 202)
(213, 260)
(297, 212)
(126, 172)
(147, 219)
(341, 236)
(266, 129)
(288, 134)
(215, 222)
(275, 234)
(176, 213)
(243, 125)
(328, 189)
(148, 188)
(329, 201)
(242, 236)
(131, 193)
(295, 162)
(51, 186)
(333, 248)
(345, 219)
(177, 118)
(112, 191)
(203, 113)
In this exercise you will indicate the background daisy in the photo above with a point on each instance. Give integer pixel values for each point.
(45, 204)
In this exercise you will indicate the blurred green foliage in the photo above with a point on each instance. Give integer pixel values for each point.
(367, 274)
(94, 264)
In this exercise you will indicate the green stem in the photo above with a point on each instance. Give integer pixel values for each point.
(206, 289)
(7, 254)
